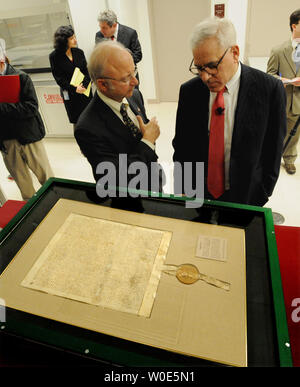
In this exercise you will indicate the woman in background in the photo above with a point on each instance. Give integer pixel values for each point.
(63, 60)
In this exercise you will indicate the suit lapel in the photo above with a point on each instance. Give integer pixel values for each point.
(135, 108)
(245, 104)
(112, 121)
(245, 92)
(287, 52)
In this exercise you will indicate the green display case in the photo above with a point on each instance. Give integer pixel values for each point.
(51, 342)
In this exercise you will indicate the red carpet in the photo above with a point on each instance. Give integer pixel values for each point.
(9, 210)
(288, 245)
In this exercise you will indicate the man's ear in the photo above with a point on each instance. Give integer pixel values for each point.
(236, 53)
(102, 85)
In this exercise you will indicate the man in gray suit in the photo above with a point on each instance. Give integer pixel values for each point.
(284, 63)
(245, 163)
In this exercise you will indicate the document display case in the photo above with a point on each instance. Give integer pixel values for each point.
(266, 342)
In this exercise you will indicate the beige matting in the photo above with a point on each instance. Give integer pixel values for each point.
(163, 282)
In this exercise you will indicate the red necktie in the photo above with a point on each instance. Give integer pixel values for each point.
(216, 168)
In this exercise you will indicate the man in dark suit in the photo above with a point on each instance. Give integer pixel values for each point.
(230, 117)
(111, 29)
(113, 131)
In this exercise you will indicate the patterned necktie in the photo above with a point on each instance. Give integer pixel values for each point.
(216, 167)
(128, 122)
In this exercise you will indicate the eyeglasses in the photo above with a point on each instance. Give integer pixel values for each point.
(210, 68)
(124, 80)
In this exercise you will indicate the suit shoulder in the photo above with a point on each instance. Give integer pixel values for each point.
(280, 47)
(23, 76)
(127, 29)
(78, 50)
(193, 84)
(53, 54)
(259, 75)
(91, 115)
(262, 82)
(56, 55)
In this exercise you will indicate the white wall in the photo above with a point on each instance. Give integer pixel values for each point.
(19, 8)
(84, 14)
(236, 11)
(135, 14)
(268, 25)
(172, 23)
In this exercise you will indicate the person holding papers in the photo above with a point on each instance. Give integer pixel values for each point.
(21, 128)
(284, 63)
(66, 59)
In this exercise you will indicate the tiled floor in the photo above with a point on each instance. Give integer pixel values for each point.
(67, 162)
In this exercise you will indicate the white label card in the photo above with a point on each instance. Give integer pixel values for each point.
(211, 248)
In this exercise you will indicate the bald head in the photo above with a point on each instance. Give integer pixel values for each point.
(112, 69)
(107, 54)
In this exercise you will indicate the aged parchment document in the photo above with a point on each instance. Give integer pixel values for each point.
(101, 262)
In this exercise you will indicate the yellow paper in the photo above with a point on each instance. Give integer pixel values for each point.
(77, 79)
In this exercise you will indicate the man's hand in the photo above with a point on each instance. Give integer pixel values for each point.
(149, 131)
(296, 81)
(80, 89)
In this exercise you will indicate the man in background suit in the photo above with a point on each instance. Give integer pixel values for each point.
(284, 63)
(111, 29)
(231, 117)
(115, 121)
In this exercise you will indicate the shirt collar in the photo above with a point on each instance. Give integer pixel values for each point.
(116, 32)
(295, 42)
(230, 85)
(111, 102)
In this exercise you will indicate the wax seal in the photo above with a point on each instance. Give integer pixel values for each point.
(187, 274)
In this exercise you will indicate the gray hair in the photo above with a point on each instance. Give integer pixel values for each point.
(222, 29)
(99, 57)
(108, 16)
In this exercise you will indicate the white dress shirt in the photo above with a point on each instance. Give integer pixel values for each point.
(295, 45)
(116, 32)
(116, 107)
(230, 102)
